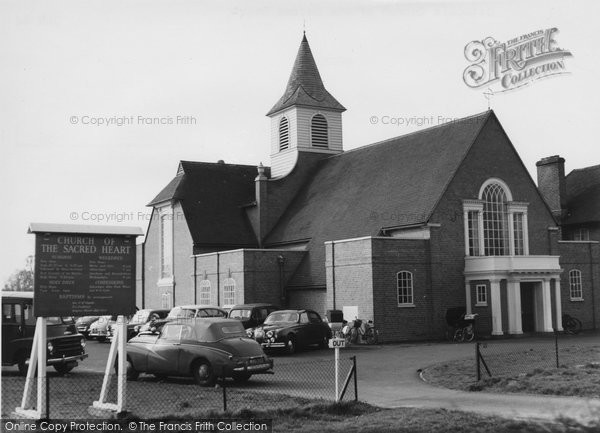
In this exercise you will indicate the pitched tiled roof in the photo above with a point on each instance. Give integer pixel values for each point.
(583, 195)
(305, 86)
(212, 196)
(393, 183)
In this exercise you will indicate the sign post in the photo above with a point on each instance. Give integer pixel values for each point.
(336, 344)
(79, 271)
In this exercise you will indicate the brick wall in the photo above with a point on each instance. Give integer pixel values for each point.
(352, 263)
(152, 297)
(183, 266)
(585, 257)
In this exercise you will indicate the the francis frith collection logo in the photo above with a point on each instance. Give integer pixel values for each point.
(516, 63)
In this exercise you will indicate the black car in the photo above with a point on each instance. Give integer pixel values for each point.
(252, 315)
(140, 318)
(83, 324)
(292, 330)
(64, 345)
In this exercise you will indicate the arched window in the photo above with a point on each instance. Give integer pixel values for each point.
(575, 288)
(495, 220)
(204, 289)
(318, 128)
(404, 281)
(284, 133)
(229, 292)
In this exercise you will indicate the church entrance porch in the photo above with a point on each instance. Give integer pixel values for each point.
(515, 293)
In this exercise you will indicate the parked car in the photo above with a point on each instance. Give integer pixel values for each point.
(65, 346)
(205, 348)
(140, 318)
(83, 324)
(99, 329)
(185, 312)
(292, 330)
(251, 315)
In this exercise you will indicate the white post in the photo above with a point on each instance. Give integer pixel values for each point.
(337, 366)
(122, 380)
(41, 367)
(513, 292)
(496, 307)
(547, 306)
(558, 306)
(468, 296)
(37, 366)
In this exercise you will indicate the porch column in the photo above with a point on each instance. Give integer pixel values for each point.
(468, 296)
(558, 306)
(514, 307)
(546, 306)
(496, 307)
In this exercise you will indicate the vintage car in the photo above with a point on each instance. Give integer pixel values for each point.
(205, 349)
(83, 324)
(292, 330)
(64, 345)
(99, 329)
(140, 318)
(184, 312)
(251, 315)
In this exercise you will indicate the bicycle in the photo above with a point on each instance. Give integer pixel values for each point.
(571, 325)
(463, 329)
(356, 332)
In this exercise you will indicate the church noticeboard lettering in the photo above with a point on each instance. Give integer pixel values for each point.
(84, 274)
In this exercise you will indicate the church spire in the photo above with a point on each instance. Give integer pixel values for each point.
(305, 86)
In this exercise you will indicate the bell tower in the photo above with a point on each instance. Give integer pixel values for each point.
(307, 118)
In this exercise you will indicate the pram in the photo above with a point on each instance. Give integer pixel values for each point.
(461, 325)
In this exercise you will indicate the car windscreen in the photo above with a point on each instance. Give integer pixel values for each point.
(282, 316)
(140, 317)
(87, 318)
(181, 313)
(239, 314)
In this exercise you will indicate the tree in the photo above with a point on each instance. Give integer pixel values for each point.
(21, 280)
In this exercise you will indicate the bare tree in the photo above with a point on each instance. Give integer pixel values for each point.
(21, 280)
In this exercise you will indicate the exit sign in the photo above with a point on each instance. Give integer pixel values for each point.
(337, 343)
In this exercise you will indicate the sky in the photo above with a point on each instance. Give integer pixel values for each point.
(190, 80)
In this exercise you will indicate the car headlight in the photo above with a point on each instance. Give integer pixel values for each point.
(269, 334)
(82, 342)
(136, 328)
(50, 347)
(250, 332)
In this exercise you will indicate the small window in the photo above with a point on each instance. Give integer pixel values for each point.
(229, 292)
(481, 293)
(166, 300)
(581, 234)
(304, 318)
(319, 133)
(575, 287)
(405, 288)
(8, 313)
(314, 317)
(284, 133)
(473, 221)
(518, 234)
(205, 287)
(171, 332)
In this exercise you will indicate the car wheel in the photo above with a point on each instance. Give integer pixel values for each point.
(63, 368)
(203, 373)
(22, 364)
(291, 346)
(131, 372)
(241, 377)
(324, 342)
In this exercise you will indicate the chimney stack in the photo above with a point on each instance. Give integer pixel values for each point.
(552, 183)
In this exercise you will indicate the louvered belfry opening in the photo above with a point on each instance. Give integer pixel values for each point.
(319, 137)
(284, 134)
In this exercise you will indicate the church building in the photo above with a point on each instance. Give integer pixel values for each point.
(396, 231)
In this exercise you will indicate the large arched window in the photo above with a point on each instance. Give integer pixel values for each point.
(318, 129)
(229, 292)
(284, 133)
(404, 280)
(204, 289)
(575, 288)
(495, 220)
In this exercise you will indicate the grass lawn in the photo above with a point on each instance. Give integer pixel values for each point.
(580, 378)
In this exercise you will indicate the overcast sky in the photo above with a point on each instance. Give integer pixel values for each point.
(225, 64)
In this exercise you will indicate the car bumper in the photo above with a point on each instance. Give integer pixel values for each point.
(273, 344)
(64, 360)
(249, 367)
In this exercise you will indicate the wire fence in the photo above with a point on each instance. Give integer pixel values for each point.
(292, 384)
(514, 357)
